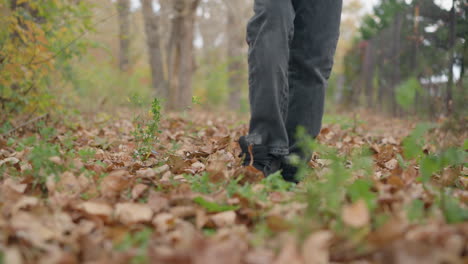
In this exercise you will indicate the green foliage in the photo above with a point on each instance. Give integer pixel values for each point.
(38, 41)
(361, 190)
(86, 154)
(213, 207)
(382, 17)
(326, 195)
(139, 241)
(275, 182)
(414, 143)
(201, 183)
(42, 166)
(451, 208)
(415, 211)
(147, 130)
(211, 82)
(406, 92)
(431, 164)
(114, 87)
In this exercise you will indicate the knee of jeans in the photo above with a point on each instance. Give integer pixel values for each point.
(271, 15)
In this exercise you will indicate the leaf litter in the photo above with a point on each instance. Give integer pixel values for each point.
(191, 201)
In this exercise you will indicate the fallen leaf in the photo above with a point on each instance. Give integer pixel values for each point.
(391, 164)
(56, 159)
(138, 190)
(132, 213)
(114, 183)
(224, 219)
(164, 222)
(230, 251)
(10, 160)
(289, 254)
(146, 173)
(24, 203)
(157, 201)
(316, 248)
(68, 183)
(101, 210)
(12, 255)
(356, 215)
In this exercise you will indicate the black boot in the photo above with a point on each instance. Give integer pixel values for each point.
(262, 160)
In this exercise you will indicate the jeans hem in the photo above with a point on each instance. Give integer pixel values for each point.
(279, 151)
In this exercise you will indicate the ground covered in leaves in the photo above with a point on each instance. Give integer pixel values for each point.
(376, 191)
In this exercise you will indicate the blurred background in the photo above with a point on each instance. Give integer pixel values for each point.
(398, 57)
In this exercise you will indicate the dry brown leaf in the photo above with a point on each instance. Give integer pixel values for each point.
(10, 160)
(32, 229)
(11, 190)
(24, 203)
(114, 183)
(224, 219)
(57, 160)
(229, 251)
(184, 211)
(12, 255)
(132, 213)
(146, 173)
(161, 170)
(101, 210)
(68, 183)
(278, 223)
(157, 201)
(14, 186)
(138, 190)
(259, 256)
(356, 215)
(164, 222)
(289, 254)
(316, 248)
(391, 164)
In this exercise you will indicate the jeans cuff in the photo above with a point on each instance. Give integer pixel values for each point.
(278, 151)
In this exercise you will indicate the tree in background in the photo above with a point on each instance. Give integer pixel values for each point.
(38, 40)
(123, 8)
(405, 59)
(172, 62)
(235, 38)
(180, 56)
(155, 53)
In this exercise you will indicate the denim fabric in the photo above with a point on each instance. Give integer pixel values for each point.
(291, 49)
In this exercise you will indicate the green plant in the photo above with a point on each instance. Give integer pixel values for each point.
(201, 183)
(453, 210)
(213, 207)
(42, 165)
(86, 154)
(139, 241)
(147, 130)
(406, 92)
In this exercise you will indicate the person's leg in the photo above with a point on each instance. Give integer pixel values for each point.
(269, 34)
(316, 32)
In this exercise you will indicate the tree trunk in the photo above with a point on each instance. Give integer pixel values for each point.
(396, 54)
(369, 67)
(153, 41)
(123, 8)
(180, 53)
(449, 94)
(235, 44)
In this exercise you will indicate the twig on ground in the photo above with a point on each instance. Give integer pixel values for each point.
(25, 124)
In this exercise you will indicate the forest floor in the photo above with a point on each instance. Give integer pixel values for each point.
(375, 191)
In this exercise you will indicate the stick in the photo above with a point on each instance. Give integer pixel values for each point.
(25, 124)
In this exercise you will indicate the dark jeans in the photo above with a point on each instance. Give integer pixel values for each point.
(292, 44)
